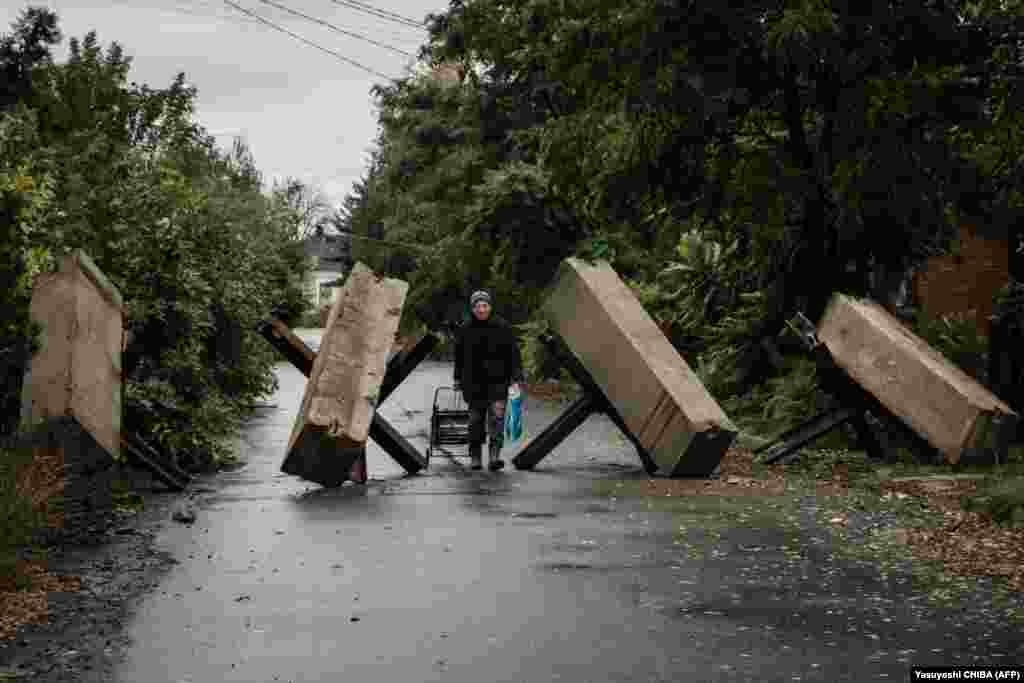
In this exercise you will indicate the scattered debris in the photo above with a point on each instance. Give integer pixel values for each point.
(967, 543)
(29, 605)
(736, 479)
(184, 513)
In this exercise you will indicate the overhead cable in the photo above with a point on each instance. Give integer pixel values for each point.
(307, 42)
(396, 15)
(380, 14)
(335, 28)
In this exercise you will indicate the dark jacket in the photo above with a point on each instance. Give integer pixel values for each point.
(487, 358)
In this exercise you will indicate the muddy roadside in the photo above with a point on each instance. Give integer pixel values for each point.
(72, 619)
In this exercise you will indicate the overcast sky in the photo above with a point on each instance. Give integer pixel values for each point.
(303, 112)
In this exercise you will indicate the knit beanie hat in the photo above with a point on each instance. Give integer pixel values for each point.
(479, 295)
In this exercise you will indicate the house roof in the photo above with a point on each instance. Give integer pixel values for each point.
(332, 252)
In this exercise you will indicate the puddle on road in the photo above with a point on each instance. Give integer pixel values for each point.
(574, 547)
(568, 566)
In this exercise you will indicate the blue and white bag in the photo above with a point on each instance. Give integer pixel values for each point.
(514, 415)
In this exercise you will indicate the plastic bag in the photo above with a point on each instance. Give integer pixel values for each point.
(514, 415)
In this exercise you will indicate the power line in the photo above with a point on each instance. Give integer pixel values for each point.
(307, 42)
(380, 14)
(396, 15)
(335, 28)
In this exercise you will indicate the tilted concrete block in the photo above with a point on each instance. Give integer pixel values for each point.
(659, 397)
(77, 372)
(938, 400)
(73, 385)
(341, 396)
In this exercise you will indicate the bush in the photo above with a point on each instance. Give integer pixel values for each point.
(308, 320)
(958, 339)
(19, 517)
(781, 403)
(538, 363)
(1003, 501)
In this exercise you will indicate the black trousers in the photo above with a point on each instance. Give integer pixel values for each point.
(487, 414)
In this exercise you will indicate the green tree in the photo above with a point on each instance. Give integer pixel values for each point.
(25, 196)
(811, 134)
(124, 172)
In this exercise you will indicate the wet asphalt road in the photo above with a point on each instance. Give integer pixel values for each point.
(470, 577)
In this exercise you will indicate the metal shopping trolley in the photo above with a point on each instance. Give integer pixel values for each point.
(449, 422)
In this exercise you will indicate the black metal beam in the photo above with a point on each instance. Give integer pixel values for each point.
(396, 446)
(801, 435)
(290, 346)
(871, 441)
(402, 365)
(650, 466)
(163, 469)
(558, 348)
(556, 432)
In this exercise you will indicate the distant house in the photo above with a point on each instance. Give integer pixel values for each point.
(330, 261)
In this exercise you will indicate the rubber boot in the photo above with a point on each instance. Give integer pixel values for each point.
(496, 463)
(475, 456)
(358, 473)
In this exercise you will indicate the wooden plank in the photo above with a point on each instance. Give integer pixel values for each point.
(340, 400)
(659, 398)
(77, 372)
(913, 381)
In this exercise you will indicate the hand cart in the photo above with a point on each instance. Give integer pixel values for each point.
(449, 422)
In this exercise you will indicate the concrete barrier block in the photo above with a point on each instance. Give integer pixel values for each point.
(341, 396)
(915, 382)
(77, 372)
(658, 395)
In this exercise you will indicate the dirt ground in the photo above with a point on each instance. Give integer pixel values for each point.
(68, 624)
(966, 543)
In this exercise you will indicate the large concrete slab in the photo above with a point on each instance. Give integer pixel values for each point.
(77, 372)
(658, 395)
(337, 409)
(73, 384)
(938, 400)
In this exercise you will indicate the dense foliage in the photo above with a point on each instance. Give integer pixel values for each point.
(735, 162)
(199, 253)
